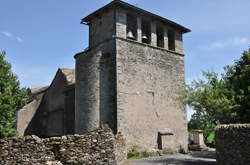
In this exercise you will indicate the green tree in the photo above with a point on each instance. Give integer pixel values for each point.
(12, 98)
(237, 78)
(220, 99)
(211, 99)
(199, 122)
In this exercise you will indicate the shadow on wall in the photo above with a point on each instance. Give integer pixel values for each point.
(54, 116)
(108, 91)
(55, 123)
(34, 127)
(44, 123)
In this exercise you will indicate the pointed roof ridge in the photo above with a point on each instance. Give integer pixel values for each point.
(37, 90)
(114, 3)
(69, 74)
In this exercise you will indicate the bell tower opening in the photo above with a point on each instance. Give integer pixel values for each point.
(146, 32)
(160, 36)
(131, 27)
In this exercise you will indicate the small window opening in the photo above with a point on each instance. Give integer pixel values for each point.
(160, 37)
(131, 27)
(146, 32)
(171, 40)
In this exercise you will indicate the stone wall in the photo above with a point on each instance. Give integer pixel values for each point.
(130, 85)
(233, 144)
(26, 114)
(149, 81)
(95, 88)
(54, 112)
(97, 147)
(69, 111)
(101, 28)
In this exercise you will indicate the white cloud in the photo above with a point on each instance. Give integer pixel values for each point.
(217, 45)
(19, 39)
(240, 41)
(7, 34)
(234, 41)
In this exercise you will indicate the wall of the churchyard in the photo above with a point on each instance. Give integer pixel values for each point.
(101, 28)
(149, 81)
(95, 88)
(233, 144)
(97, 147)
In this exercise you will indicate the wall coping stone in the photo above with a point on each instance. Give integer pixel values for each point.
(232, 126)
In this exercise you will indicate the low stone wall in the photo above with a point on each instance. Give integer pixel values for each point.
(97, 147)
(233, 144)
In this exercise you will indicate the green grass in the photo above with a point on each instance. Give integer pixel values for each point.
(211, 137)
(134, 154)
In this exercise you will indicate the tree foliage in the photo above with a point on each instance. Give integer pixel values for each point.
(238, 79)
(12, 98)
(211, 99)
(198, 121)
(221, 99)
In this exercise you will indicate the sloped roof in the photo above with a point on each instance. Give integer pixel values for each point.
(69, 74)
(37, 90)
(116, 3)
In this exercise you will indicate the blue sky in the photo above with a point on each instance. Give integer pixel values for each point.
(41, 35)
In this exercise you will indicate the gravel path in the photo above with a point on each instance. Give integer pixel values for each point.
(193, 158)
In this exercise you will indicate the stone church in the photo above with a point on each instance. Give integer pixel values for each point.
(129, 77)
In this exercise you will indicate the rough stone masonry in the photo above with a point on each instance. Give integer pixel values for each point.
(233, 144)
(97, 147)
(131, 75)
